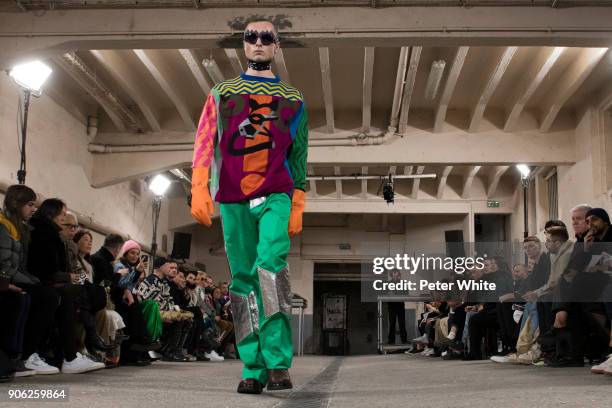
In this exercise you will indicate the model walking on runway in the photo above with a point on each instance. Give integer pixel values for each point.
(252, 143)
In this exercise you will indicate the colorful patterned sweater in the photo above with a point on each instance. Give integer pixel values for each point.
(254, 132)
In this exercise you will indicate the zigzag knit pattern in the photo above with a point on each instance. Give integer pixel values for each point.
(239, 85)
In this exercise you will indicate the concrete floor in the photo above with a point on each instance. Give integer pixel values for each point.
(352, 382)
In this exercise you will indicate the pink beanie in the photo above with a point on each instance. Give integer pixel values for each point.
(129, 244)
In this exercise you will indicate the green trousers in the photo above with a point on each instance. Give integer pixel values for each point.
(150, 311)
(257, 244)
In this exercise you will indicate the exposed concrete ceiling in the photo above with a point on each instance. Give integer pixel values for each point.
(510, 91)
(509, 88)
(26, 5)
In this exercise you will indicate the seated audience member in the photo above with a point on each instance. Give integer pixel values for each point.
(106, 319)
(15, 302)
(450, 339)
(434, 311)
(91, 298)
(47, 260)
(222, 320)
(560, 248)
(203, 299)
(129, 271)
(508, 320)
(103, 260)
(176, 322)
(201, 341)
(496, 271)
(108, 324)
(580, 327)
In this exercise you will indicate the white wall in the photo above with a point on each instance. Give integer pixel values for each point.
(586, 180)
(58, 165)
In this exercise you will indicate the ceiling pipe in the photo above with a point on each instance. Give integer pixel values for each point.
(359, 139)
(372, 177)
(167, 147)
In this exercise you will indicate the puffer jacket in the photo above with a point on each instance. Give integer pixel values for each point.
(13, 254)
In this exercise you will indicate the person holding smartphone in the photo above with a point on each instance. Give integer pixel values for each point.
(130, 270)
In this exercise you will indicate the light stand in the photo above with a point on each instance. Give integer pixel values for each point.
(30, 77)
(525, 172)
(525, 184)
(21, 173)
(158, 186)
(156, 208)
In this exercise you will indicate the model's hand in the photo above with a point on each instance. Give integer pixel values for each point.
(297, 210)
(202, 208)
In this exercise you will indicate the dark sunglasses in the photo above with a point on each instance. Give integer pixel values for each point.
(267, 38)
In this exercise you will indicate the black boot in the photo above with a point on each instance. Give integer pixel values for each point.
(172, 339)
(94, 342)
(250, 386)
(279, 380)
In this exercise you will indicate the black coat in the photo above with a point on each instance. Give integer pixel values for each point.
(540, 273)
(102, 263)
(47, 257)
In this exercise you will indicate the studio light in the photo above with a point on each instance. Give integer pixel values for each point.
(159, 185)
(31, 76)
(524, 169)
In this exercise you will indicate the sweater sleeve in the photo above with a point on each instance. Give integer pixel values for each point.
(298, 151)
(206, 134)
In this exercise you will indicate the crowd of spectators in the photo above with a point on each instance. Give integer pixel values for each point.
(70, 311)
(554, 309)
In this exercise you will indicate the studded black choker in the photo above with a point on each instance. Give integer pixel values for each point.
(259, 66)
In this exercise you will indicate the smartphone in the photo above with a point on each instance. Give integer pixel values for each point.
(144, 258)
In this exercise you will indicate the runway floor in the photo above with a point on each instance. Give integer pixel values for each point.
(395, 380)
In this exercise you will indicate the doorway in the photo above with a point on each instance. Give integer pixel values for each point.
(343, 279)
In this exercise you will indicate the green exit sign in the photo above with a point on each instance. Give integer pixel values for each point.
(493, 204)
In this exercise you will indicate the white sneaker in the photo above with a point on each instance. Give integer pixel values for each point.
(510, 358)
(499, 359)
(213, 356)
(424, 339)
(81, 364)
(34, 362)
(98, 364)
(603, 367)
(428, 352)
